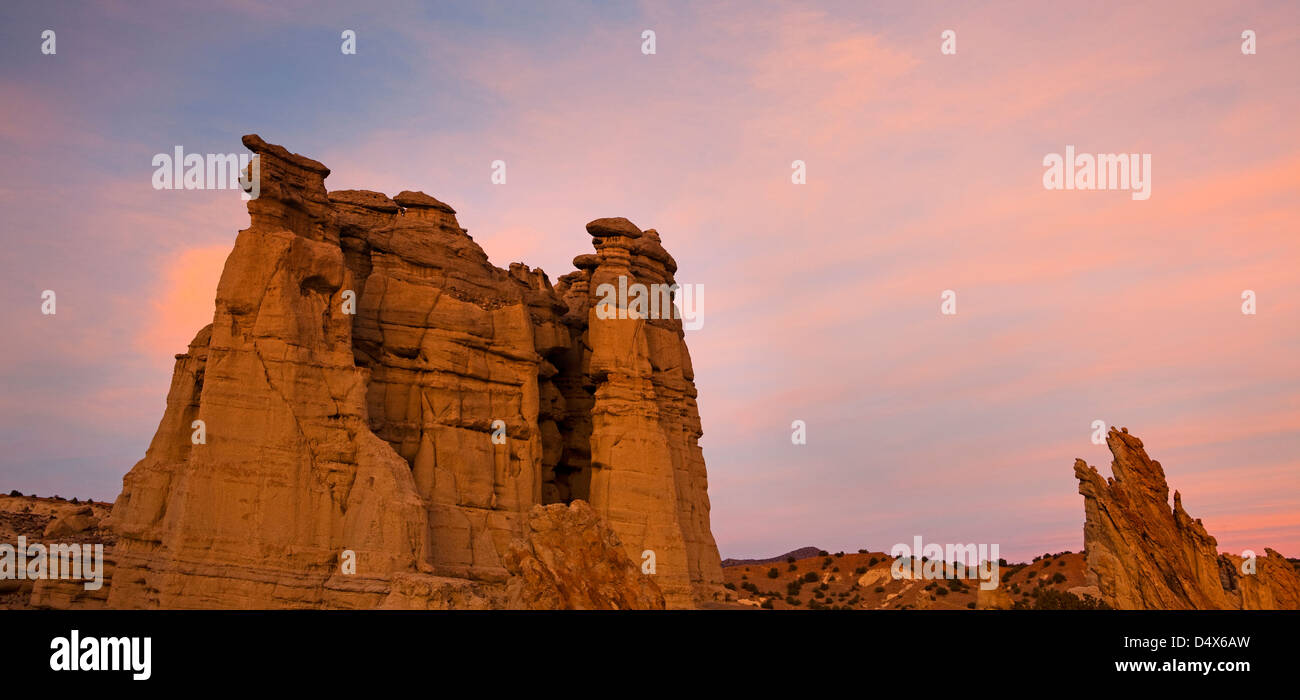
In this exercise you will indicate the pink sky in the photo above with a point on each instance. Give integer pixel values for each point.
(924, 174)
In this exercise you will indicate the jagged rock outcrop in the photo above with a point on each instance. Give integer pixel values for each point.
(372, 389)
(571, 561)
(1143, 555)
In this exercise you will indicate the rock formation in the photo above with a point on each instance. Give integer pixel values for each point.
(1143, 555)
(565, 563)
(55, 522)
(72, 522)
(373, 389)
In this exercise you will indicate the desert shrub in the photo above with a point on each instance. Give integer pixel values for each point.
(15, 492)
(818, 594)
(839, 554)
(862, 551)
(826, 562)
(729, 586)
(860, 570)
(811, 577)
(1060, 562)
(823, 553)
(789, 560)
(793, 567)
(773, 573)
(767, 604)
(941, 591)
(872, 562)
(823, 587)
(1058, 577)
(971, 605)
(880, 589)
(791, 601)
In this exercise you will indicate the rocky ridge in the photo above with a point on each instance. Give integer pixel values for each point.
(1141, 554)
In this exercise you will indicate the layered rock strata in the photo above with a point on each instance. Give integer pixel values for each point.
(372, 389)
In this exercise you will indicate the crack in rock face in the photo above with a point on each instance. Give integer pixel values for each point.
(374, 391)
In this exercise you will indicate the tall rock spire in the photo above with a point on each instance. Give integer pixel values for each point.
(1141, 554)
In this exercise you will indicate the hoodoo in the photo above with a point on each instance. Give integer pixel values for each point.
(361, 350)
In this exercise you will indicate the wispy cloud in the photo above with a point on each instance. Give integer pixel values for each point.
(924, 174)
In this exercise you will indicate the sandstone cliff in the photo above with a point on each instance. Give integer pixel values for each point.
(1143, 555)
(372, 384)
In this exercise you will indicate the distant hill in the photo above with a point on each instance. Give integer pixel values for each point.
(866, 581)
(801, 553)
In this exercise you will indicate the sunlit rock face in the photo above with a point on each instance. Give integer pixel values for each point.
(381, 408)
(1141, 554)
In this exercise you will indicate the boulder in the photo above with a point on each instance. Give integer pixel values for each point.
(72, 522)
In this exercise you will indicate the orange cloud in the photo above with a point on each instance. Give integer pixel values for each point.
(183, 300)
